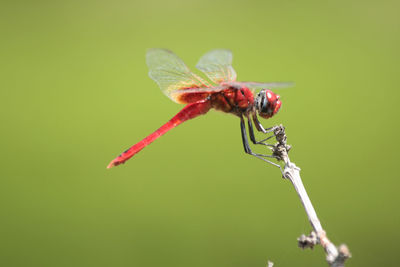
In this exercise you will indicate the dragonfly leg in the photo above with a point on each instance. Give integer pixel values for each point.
(247, 148)
(259, 126)
(253, 138)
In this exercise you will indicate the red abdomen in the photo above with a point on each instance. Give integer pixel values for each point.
(190, 111)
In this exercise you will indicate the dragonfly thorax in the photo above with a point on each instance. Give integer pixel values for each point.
(267, 103)
(233, 100)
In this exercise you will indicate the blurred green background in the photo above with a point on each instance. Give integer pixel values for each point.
(75, 93)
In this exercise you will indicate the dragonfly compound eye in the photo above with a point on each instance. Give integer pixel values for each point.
(267, 103)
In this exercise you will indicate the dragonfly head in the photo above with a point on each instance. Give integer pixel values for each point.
(267, 103)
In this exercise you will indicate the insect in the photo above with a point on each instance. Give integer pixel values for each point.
(224, 94)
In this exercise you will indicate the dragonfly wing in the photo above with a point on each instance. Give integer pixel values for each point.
(171, 74)
(226, 85)
(257, 85)
(217, 65)
(212, 89)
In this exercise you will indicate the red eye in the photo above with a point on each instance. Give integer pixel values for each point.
(271, 97)
(278, 105)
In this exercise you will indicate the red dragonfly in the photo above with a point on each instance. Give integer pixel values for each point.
(224, 93)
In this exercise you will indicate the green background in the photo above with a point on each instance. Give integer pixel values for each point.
(75, 93)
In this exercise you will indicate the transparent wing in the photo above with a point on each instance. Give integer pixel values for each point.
(257, 85)
(212, 89)
(237, 85)
(171, 74)
(217, 65)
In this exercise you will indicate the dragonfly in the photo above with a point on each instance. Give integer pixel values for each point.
(222, 93)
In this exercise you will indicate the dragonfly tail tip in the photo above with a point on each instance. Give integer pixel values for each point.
(109, 166)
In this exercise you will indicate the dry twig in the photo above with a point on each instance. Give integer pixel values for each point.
(335, 256)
